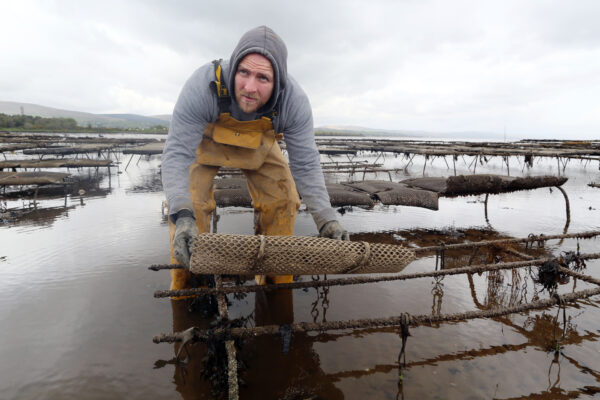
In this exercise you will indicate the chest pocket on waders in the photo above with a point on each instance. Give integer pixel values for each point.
(236, 144)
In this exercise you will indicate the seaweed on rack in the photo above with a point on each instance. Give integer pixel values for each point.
(215, 363)
(574, 261)
(549, 274)
(206, 304)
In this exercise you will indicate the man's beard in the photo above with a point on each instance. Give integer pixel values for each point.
(251, 107)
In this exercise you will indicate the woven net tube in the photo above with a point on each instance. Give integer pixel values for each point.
(214, 253)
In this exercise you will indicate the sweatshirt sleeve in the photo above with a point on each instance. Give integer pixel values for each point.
(195, 107)
(305, 162)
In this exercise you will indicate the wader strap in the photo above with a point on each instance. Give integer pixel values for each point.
(271, 114)
(219, 88)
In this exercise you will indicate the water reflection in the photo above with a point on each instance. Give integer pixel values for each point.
(90, 183)
(452, 258)
(188, 374)
(87, 270)
(32, 209)
(292, 364)
(538, 331)
(437, 294)
(42, 217)
(150, 181)
(295, 371)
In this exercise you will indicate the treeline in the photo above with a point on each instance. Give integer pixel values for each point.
(31, 122)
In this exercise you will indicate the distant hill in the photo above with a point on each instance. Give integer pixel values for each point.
(133, 121)
(85, 119)
(353, 130)
(164, 117)
(349, 129)
(141, 120)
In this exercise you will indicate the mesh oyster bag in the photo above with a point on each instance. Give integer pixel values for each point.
(215, 253)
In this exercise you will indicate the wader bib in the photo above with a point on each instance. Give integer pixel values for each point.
(236, 144)
(251, 146)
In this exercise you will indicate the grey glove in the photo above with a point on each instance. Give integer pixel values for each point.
(333, 230)
(185, 231)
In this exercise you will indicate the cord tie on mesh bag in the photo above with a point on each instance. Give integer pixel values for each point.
(261, 251)
(364, 260)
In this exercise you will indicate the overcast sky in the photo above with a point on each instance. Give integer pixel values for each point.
(530, 67)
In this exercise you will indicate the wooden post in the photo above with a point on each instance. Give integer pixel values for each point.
(568, 208)
(35, 195)
(109, 178)
(485, 208)
(130, 158)
(454, 163)
(447, 166)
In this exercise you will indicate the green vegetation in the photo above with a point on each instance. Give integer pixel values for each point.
(28, 123)
(22, 122)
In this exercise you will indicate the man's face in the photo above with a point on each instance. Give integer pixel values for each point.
(253, 82)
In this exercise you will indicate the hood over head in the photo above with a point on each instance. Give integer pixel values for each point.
(264, 41)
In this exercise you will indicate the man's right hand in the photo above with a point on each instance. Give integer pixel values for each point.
(185, 231)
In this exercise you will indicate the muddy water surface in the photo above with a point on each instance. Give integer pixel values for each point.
(78, 313)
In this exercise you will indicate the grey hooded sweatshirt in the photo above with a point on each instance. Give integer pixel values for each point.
(197, 106)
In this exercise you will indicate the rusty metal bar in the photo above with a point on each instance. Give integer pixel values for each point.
(341, 170)
(520, 254)
(221, 299)
(232, 378)
(361, 279)
(395, 321)
(158, 267)
(585, 278)
(538, 238)
(232, 367)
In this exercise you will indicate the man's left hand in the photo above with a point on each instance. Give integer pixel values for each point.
(333, 230)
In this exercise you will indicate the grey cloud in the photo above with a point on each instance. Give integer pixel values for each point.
(427, 63)
(572, 24)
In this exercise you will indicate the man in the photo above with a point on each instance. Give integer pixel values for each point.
(232, 114)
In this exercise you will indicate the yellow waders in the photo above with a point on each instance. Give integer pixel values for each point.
(252, 147)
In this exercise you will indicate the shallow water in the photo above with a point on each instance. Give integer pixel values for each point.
(78, 313)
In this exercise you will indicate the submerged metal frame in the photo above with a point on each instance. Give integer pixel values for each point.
(404, 321)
